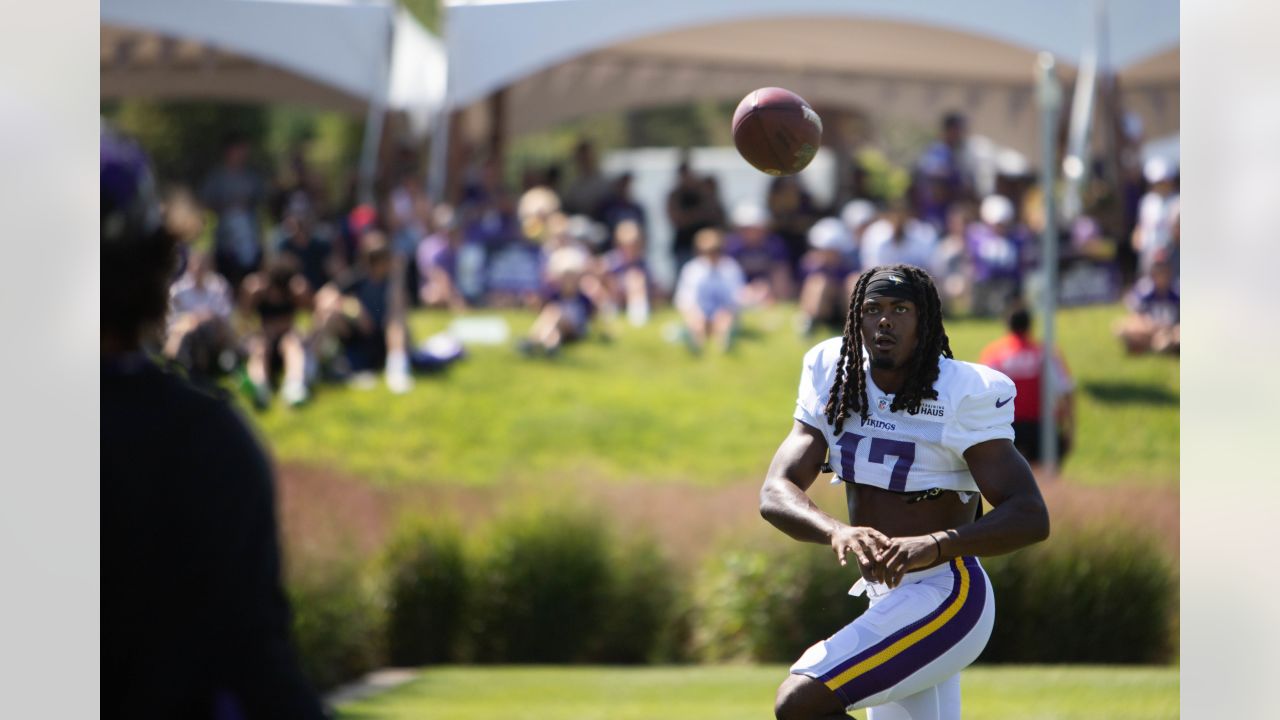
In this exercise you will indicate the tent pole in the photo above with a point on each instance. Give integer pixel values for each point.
(374, 118)
(1050, 99)
(437, 170)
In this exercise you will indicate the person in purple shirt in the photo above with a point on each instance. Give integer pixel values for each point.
(1153, 322)
(763, 256)
(626, 274)
(619, 207)
(437, 259)
(941, 176)
(569, 302)
(829, 271)
(996, 250)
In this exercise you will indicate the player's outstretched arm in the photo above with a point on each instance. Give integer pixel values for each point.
(785, 505)
(1019, 517)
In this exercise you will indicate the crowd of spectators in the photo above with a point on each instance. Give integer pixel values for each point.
(326, 295)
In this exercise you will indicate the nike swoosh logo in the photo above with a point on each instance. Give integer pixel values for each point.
(1002, 403)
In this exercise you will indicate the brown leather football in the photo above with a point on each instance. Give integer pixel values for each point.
(776, 131)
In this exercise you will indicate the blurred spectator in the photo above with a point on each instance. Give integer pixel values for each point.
(761, 254)
(276, 296)
(618, 207)
(713, 207)
(897, 238)
(195, 621)
(235, 192)
(1153, 322)
(568, 307)
(362, 218)
(708, 291)
(301, 240)
(1157, 214)
(408, 221)
(857, 215)
(512, 269)
(437, 260)
(996, 250)
(793, 212)
(1022, 359)
(687, 210)
(942, 175)
(298, 178)
(829, 272)
(200, 337)
(626, 274)
(590, 188)
(365, 313)
(950, 265)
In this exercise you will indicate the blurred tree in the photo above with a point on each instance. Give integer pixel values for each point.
(185, 138)
(427, 12)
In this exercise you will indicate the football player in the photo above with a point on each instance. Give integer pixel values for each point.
(917, 438)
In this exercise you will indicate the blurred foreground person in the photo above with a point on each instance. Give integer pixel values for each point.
(1022, 359)
(917, 439)
(195, 623)
(708, 291)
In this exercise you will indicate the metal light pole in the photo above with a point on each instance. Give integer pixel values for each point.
(1050, 100)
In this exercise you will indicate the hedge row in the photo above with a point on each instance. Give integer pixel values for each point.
(563, 588)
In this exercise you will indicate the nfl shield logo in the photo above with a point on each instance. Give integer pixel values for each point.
(883, 404)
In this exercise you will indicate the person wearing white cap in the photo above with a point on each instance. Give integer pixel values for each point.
(570, 302)
(996, 250)
(762, 255)
(1157, 213)
(857, 215)
(829, 270)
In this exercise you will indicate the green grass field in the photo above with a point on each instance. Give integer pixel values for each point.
(736, 692)
(641, 409)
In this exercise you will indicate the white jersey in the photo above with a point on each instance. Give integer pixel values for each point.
(903, 452)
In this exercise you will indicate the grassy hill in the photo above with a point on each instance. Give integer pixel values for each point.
(640, 409)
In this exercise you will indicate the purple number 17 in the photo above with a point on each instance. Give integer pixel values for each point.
(905, 452)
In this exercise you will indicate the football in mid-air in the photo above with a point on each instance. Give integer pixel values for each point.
(776, 131)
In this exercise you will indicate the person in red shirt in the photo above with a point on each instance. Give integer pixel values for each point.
(1022, 359)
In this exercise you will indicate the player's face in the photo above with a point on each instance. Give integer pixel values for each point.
(889, 331)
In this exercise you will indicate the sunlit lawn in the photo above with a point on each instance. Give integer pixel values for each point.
(638, 408)
(734, 693)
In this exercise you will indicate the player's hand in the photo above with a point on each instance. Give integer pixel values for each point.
(902, 555)
(864, 544)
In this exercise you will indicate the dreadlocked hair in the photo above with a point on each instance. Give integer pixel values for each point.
(849, 389)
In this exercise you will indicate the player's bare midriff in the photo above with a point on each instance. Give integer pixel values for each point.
(889, 512)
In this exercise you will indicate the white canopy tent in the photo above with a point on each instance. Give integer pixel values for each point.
(335, 54)
(559, 59)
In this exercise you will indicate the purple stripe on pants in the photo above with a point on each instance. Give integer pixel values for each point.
(927, 649)
(905, 631)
